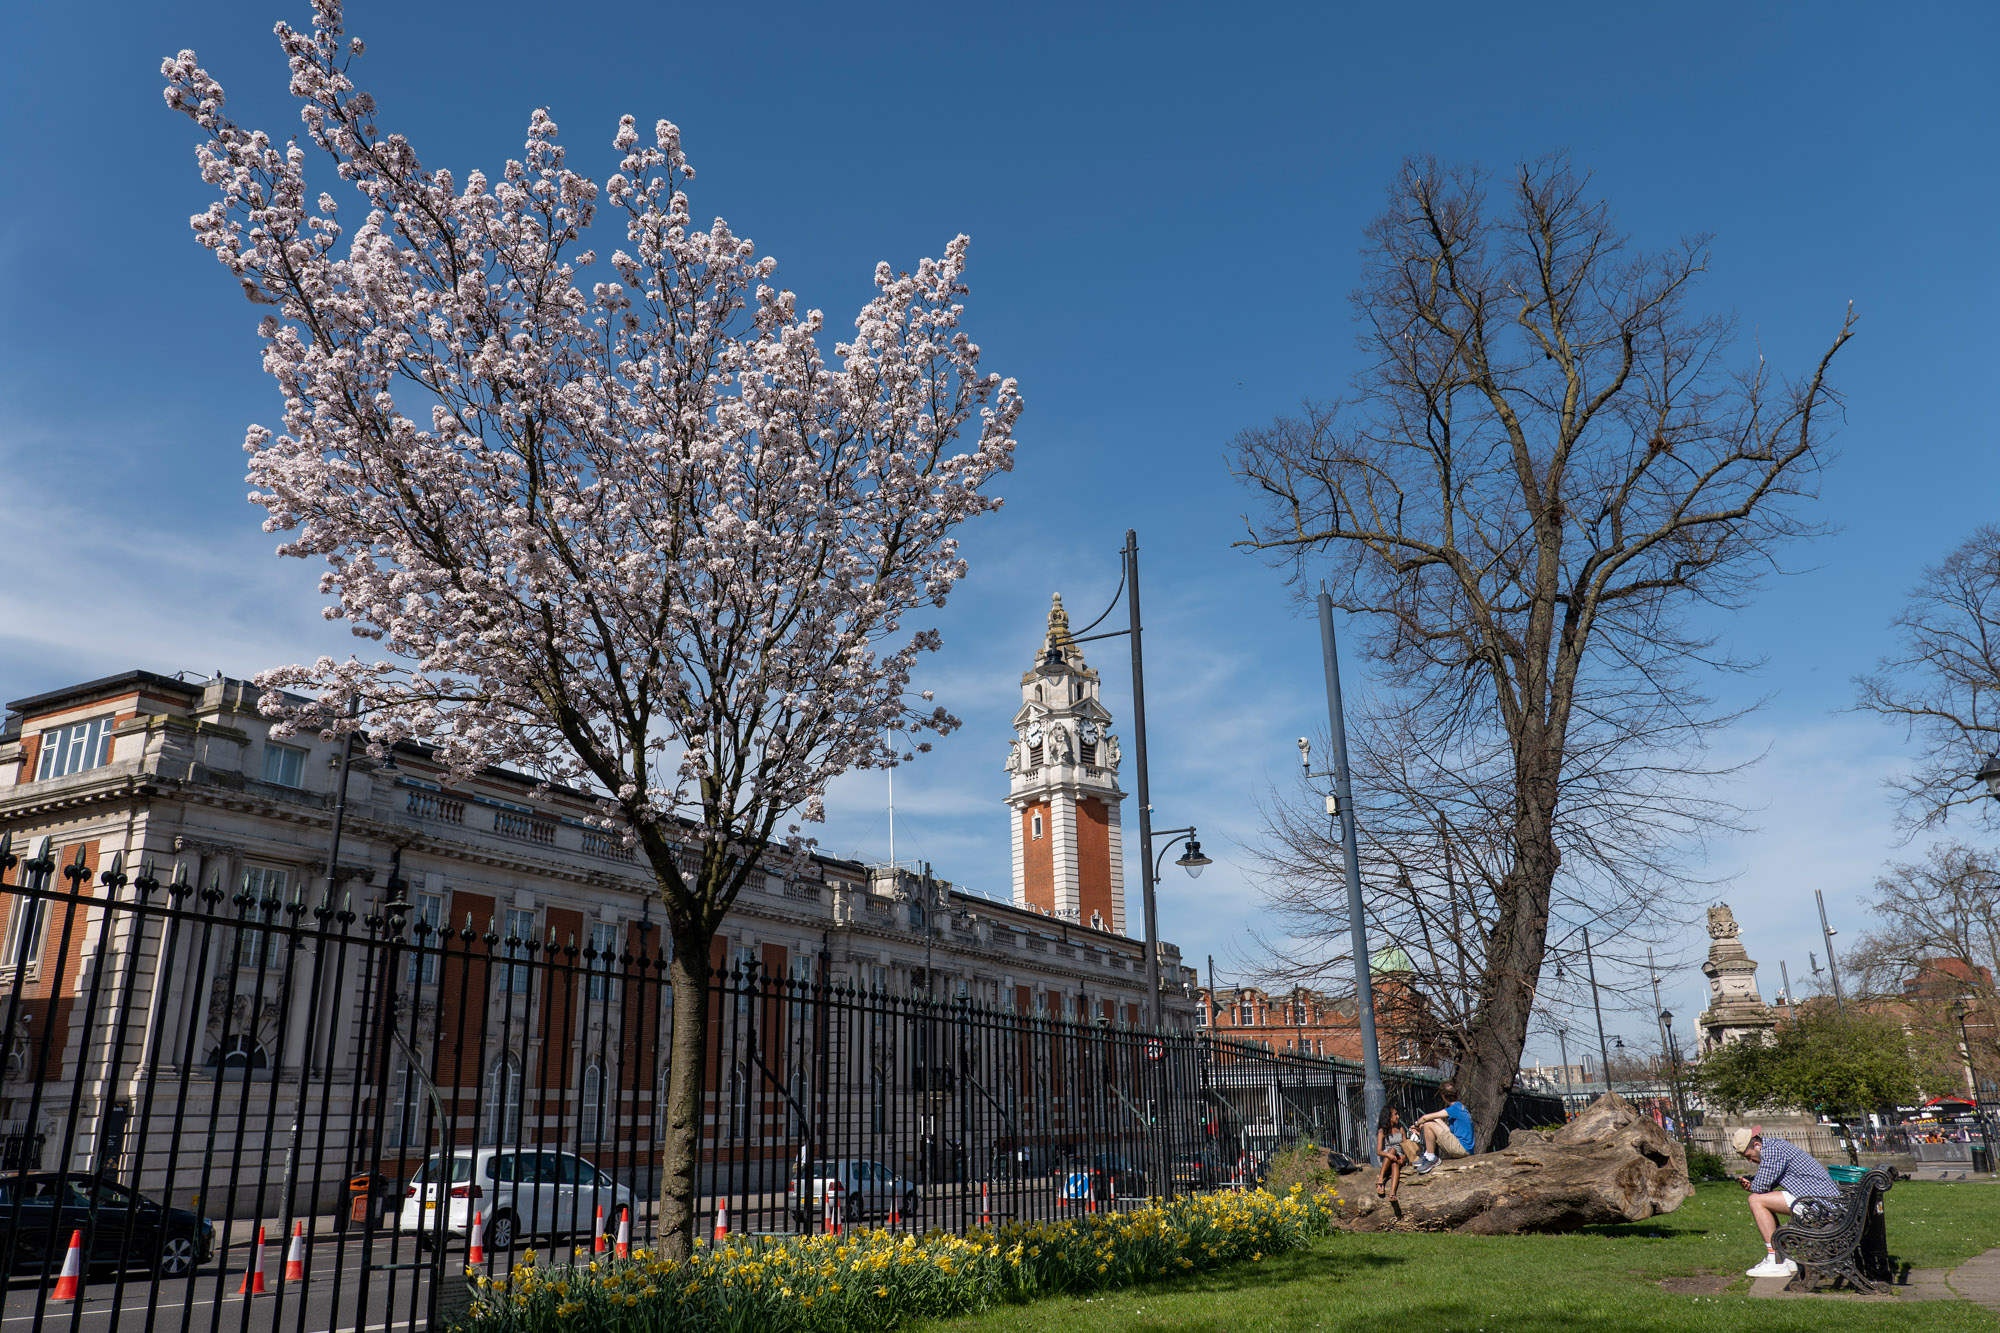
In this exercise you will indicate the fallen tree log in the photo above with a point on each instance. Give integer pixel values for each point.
(1610, 1164)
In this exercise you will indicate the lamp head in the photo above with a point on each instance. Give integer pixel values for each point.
(1192, 860)
(1305, 753)
(1990, 775)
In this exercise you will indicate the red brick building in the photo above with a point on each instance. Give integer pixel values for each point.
(1302, 1021)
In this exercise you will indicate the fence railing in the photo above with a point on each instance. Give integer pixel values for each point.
(191, 1064)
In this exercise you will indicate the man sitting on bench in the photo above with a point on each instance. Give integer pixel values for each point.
(1786, 1173)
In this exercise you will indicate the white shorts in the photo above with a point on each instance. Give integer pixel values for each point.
(1791, 1201)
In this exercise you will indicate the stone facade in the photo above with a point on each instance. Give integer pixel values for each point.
(186, 775)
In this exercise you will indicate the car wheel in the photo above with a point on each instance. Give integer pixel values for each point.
(500, 1232)
(177, 1257)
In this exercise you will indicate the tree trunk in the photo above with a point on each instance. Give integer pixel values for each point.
(1499, 1029)
(686, 1079)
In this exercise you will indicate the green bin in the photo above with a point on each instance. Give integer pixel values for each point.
(1847, 1175)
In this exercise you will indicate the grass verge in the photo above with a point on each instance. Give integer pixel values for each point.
(1602, 1280)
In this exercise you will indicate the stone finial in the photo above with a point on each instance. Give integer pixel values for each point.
(1058, 633)
(1721, 922)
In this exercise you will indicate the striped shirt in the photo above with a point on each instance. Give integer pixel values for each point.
(1786, 1166)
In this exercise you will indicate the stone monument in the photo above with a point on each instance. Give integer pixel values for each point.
(1735, 1009)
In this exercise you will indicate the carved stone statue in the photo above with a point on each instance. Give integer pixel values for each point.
(1060, 750)
(1111, 754)
(1014, 757)
(1721, 922)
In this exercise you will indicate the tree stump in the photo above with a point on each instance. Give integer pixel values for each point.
(1610, 1164)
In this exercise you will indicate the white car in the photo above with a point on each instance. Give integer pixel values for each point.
(518, 1192)
(872, 1190)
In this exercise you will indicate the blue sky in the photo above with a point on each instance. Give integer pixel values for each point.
(1166, 204)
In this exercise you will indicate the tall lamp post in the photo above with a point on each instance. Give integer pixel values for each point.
(1673, 1054)
(1129, 590)
(1597, 1007)
(1562, 1044)
(1341, 808)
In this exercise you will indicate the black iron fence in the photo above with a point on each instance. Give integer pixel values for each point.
(208, 1087)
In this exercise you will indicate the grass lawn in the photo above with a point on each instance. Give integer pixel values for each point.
(1604, 1280)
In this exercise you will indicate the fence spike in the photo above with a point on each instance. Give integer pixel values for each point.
(7, 857)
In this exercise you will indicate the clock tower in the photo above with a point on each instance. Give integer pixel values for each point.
(1063, 795)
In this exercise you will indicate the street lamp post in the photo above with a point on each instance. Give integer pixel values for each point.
(1673, 1054)
(1342, 808)
(1597, 1007)
(1129, 556)
(1562, 1044)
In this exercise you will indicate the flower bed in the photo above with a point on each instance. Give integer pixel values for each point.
(874, 1280)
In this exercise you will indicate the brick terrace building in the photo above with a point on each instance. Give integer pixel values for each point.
(1308, 1022)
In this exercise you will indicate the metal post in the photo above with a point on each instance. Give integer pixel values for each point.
(1153, 1017)
(1832, 969)
(1658, 1010)
(1562, 1044)
(1603, 1051)
(1785, 975)
(1357, 925)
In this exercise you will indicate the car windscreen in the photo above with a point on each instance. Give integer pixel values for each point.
(461, 1169)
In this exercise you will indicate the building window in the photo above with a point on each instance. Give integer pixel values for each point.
(430, 911)
(878, 980)
(239, 1057)
(519, 929)
(1036, 824)
(593, 1103)
(24, 933)
(604, 940)
(406, 1101)
(254, 947)
(503, 1101)
(660, 1101)
(285, 765)
(74, 748)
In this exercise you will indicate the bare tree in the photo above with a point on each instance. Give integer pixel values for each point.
(1945, 684)
(1545, 466)
(1935, 943)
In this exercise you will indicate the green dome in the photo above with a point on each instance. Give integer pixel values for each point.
(1389, 961)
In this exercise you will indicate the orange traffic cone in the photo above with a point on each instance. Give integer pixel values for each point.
(985, 1208)
(253, 1277)
(597, 1236)
(475, 1252)
(625, 1233)
(295, 1261)
(721, 1220)
(69, 1284)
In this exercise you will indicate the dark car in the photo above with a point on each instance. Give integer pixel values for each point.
(121, 1228)
(1200, 1170)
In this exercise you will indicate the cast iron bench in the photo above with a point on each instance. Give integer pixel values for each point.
(1844, 1237)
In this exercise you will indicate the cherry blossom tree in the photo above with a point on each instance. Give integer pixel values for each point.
(620, 523)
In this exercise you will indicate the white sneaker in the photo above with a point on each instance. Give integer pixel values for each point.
(1773, 1267)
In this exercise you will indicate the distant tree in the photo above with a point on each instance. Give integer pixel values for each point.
(1935, 943)
(1547, 463)
(1944, 684)
(620, 525)
(1831, 1063)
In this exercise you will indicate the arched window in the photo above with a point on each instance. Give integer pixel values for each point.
(593, 1103)
(239, 1057)
(739, 1100)
(660, 1105)
(503, 1100)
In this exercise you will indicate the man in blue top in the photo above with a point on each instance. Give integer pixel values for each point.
(1786, 1173)
(1447, 1133)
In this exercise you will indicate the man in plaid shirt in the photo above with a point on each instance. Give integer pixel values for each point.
(1786, 1173)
